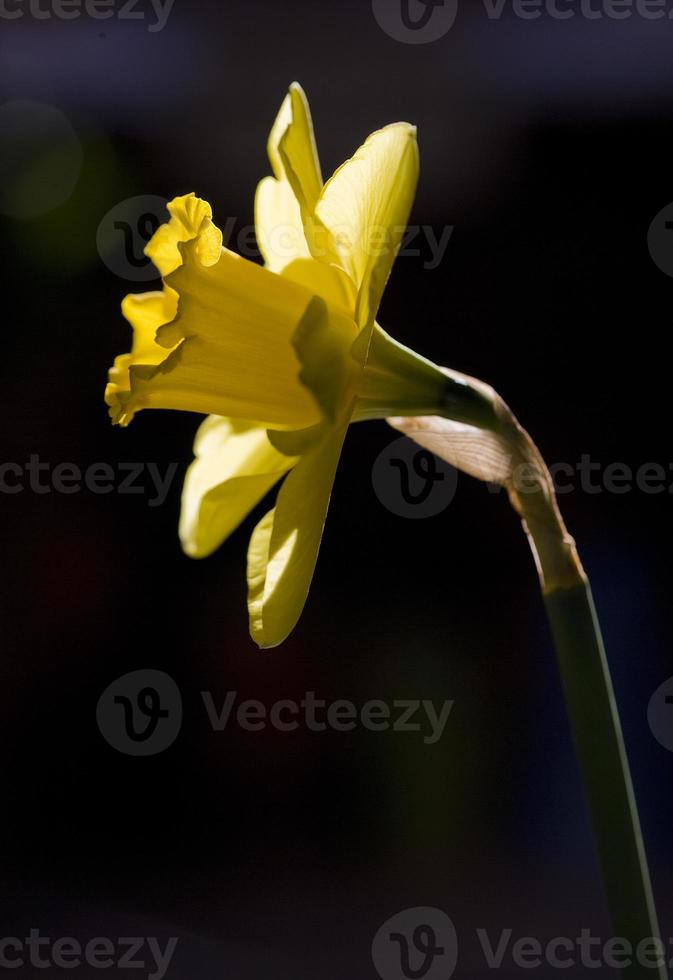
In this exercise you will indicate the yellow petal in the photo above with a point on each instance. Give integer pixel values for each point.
(363, 210)
(323, 341)
(278, 224)
(284, 546)
(284, 200)
(232, 353)
(146, 312)
(234, 469)
(190, 218)
(292, 149)
(327, 281)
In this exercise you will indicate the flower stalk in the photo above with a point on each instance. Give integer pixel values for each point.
(597, 733)
(506, 454)
(592, 709)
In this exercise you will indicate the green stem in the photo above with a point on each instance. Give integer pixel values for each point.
(605, 769)
(503, 452)
(592, 707)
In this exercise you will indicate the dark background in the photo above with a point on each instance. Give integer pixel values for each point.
(549, 146)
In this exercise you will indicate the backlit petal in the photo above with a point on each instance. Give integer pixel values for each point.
(323, 341)
(284, 200)
(278, 223)
(327, 281)
(284, 546)
(146, 312)
(231, 347)
(363, 211)
(234, 469)
(292, 149)
(190, 218)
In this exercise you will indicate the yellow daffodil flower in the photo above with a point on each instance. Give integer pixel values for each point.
(281, 358)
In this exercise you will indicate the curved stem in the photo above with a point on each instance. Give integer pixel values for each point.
(592, 709)
(502, 452)
(497, 449)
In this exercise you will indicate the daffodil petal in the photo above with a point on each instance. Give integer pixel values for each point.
(284, 546)
(283, 201)
(231, 347)
(292, 148)
(323, 341)
(278, 224)
(234, 468)
(146, 312)
(327, 281)
(190, 218)
(296, 442)
(363, 210)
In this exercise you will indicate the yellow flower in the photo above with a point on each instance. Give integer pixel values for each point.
(281, 358)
